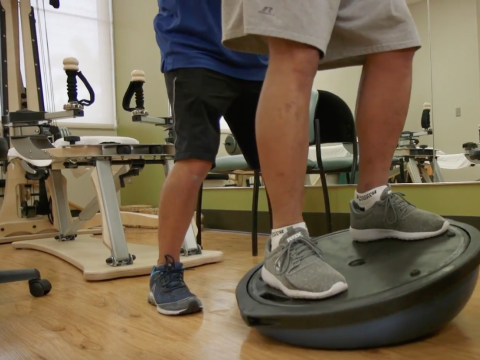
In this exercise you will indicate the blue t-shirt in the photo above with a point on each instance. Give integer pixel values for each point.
(189, 34)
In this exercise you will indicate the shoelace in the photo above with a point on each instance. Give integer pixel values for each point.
(297, 250)
(172, 278)
(398, 205)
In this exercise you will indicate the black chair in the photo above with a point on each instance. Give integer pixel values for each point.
(330, 121)
(333, 122)
(38, 286)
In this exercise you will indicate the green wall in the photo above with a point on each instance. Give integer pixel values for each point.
(448, 199)
(135, 48)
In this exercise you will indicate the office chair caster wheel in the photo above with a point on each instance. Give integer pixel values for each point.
(39, 287)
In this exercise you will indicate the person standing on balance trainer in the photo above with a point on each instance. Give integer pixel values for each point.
(302, 37)
(205, 80)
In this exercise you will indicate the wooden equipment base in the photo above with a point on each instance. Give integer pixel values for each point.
(47, 234)
(89, 254)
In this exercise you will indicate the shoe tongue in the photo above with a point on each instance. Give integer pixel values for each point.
(385, 193)
(293, 234)
(176, 265)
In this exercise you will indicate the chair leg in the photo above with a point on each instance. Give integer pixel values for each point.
(256, 189)
(402, 171)
(270, 215)
(198, 217)
(323, 178)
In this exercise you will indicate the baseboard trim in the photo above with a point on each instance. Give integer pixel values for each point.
(241, 221)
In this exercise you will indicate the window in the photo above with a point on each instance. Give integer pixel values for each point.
(83, 30)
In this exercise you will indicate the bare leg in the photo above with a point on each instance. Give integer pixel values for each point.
(282, 116)
(293, 263)
(384, 97)
(177, 205)
(383, 101)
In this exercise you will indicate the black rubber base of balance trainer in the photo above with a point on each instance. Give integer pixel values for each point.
(398, 292)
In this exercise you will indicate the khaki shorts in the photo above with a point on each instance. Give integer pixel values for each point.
(344, 31)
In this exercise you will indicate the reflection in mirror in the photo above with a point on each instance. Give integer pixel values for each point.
(456, 86)
(413, 161)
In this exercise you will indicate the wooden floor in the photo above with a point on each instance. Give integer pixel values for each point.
(112, 320)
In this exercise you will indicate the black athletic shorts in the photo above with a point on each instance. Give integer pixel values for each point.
(199, 97)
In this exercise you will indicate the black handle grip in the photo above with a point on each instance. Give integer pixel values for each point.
(72, 139)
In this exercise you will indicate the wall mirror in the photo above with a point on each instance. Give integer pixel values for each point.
(419, 135)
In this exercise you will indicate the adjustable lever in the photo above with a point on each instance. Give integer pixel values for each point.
(70, 65)
(135, 169)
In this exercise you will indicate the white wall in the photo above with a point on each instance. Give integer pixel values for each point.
(456, 78)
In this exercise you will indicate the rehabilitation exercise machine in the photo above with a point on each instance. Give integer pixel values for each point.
(472, 151)
(9, 19)
(26, 211)
(415, 156)
(109, 161)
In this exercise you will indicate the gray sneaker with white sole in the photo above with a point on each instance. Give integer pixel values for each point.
(394, 217)
(296, 267)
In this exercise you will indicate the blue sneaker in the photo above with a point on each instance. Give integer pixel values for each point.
(168, 291)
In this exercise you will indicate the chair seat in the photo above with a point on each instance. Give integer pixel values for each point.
(336, 164)
(230, 163)
(238, 162)
(84, 140)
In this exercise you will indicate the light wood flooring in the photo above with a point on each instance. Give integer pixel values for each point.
(112, 320)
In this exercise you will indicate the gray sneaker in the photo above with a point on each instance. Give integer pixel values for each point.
(394, 217)
(296, 268)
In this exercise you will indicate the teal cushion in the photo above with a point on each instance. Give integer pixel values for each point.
(337, 164)
(238, 162)
(311, 114)
(230, 163)
(311, 164)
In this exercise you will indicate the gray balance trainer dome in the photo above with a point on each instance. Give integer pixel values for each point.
(399, 291)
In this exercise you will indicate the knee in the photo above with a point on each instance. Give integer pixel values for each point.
(296, 57)
(192, 171)
(400, 59)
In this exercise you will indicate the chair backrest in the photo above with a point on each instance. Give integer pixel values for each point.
(337, 124)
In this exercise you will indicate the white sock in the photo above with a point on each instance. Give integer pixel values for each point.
(367, 199)
(278, 233)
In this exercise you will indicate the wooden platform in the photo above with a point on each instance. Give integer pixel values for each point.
(112, 319)
(89, 254)
(47, 234)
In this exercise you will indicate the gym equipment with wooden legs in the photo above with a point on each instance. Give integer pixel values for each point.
(26, 210)
(192, 242)
(9, 30)
(415, 156)
(113, 159)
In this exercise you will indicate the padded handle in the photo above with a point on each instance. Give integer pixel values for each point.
(469, 145)
(425, 120)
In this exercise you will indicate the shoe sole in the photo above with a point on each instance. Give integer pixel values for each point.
(193, 307)
(272, 281)
(381, 234)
